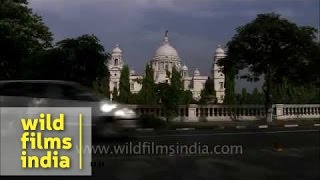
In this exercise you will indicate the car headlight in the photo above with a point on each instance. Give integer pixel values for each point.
(125, 113)
(108, 107)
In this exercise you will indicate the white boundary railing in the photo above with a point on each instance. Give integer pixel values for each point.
(196, 113)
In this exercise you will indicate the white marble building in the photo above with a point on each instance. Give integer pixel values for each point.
(217, 75)
(115, 66)
(165, 58)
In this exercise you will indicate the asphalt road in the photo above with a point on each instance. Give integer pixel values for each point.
(277, 154)
(292, 153)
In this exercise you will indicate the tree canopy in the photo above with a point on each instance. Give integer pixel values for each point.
(22, 33)
(208, 94)
(274, 42)
(230, 95)
(148, 90)
(124, 87)
(275, 48)
(80, 59)
(115, 94)
(86, 58)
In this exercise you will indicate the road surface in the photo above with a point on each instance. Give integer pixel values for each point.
(288, 153)
(277, 154)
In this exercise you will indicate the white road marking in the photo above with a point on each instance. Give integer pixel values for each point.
(263, 126)
(316, 125)
(185, 129)
(240, 127)
(145, 129)
(291, 125)
(228, 134)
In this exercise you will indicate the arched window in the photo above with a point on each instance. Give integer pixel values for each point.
(116, 62)
(221, 85)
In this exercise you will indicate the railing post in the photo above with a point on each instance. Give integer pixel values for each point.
(279, 111)
(192, 113)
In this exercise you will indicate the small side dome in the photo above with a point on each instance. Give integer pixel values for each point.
(219, 50)
(132, 72)
(184, 68)
(117, 50)
(196, 72)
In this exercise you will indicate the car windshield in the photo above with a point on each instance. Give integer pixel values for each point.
(53, 90)
(83, 93)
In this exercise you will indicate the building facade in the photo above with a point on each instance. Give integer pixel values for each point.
(165, 59)
(217, 75)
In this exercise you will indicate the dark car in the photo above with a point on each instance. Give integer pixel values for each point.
(108, 118)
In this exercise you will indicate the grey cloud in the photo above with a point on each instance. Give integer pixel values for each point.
(196, 27)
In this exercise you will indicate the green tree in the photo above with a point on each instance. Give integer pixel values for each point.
(46, 64)
(169, 106)
(291, 93)
(271, 46)
(173, 94)
(22, 33)
(101, 85)
(163, 92)
(282, 92)
(230, 96)
(208, 94)
(176, 86)
(115, 94)
(85, 57)
(170, 95)
(230, 70)
(80, 59)
(175, 79)
(148, 90)
(135, 98)
(244, 96)
(256, 97)
(124, 87)
(187, 97)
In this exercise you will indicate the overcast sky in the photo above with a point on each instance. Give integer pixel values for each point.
(195, 27)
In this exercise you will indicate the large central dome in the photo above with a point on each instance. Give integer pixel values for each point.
(166, 50)
(165, 59)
